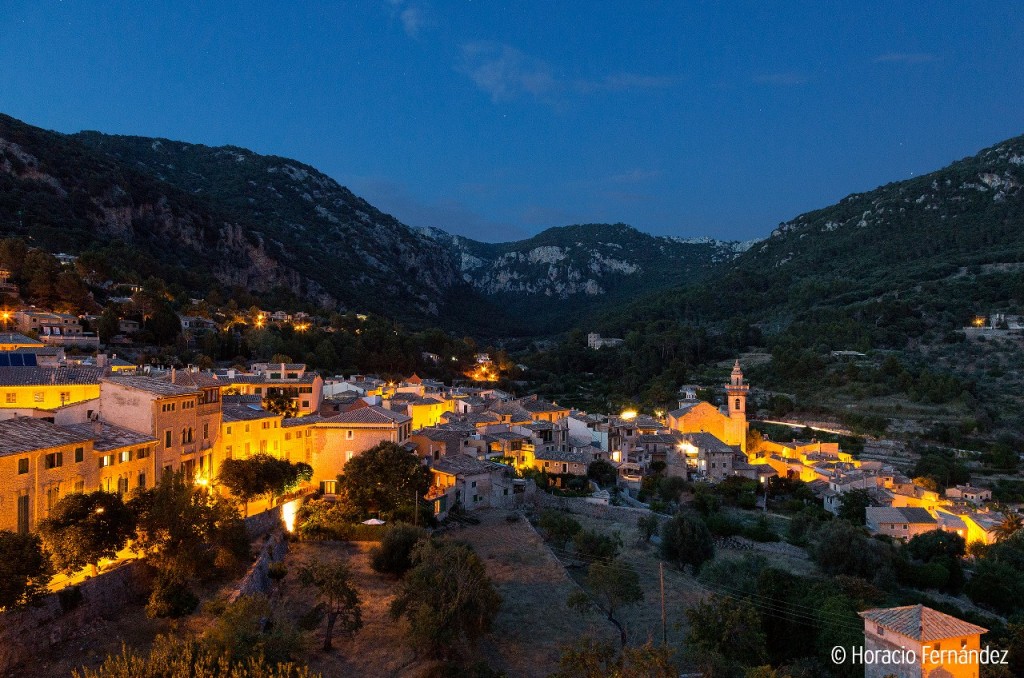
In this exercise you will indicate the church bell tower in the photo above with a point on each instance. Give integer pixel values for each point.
(736, 394)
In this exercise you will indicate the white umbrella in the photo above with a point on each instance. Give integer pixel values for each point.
(373, 521)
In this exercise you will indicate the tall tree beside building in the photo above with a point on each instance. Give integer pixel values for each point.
(24, 569)
(84, 528)
(386, 479)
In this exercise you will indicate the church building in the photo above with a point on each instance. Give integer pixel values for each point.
(728, 424)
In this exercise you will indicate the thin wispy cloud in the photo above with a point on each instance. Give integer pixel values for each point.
(905, 58)
(414, 18)
(785, 79)
(503, 72)
(506, 73)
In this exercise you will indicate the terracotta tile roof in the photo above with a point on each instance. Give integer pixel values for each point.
(110, 437)
(572, 456)
(446, 435)
(684, 409)
(890, 514)
(921, 623)
(541, 406)
(708, 442)
(151, 385)
(238, 412)
(308, 420)
(372, 414)
(659, 438)
(48, 376)
(17, 338)
(459, 464)
(194, 379)
(24, 434)
(506, 435)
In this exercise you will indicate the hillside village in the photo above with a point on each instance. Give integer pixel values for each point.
(79, 424)
(81, 414)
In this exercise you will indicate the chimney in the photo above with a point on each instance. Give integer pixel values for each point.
(97, 427)
(101, 360)
(174, 374)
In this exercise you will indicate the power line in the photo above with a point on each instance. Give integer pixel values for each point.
(793, 612)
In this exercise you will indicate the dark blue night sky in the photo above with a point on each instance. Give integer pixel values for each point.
(496, 120)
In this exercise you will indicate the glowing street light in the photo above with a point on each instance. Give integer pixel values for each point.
(628, 414)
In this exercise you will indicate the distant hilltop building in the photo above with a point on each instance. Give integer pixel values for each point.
(596, 341)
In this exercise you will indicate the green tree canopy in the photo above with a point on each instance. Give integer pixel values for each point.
(394, 553)
(613, 585)
(446, 597)
(728, 628)
(336, 592)
(24, 569)
(686, 540)
(386, 479)
(855, 503)
(262, 474)
(84, 528)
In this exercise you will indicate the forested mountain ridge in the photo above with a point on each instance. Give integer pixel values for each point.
(221, 218)
(568, 272)
(928, 249)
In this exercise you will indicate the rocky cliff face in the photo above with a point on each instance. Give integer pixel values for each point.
(583, 261)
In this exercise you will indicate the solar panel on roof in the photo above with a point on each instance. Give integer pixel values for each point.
(15, 359)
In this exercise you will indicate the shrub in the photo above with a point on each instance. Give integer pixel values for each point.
(723, 525)
(394, 554)
(558, 527)
(761, 531)
(686, 540)
(243, 630)
(171, 597)
(277, 571)
(591, 545)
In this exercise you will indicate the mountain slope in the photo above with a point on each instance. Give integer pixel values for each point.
(931, 251)
(363, 257)
(569, 272)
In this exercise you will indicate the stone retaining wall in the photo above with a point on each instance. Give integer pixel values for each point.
(257, 579)
(31, 631)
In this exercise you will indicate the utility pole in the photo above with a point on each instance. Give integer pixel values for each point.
(664, 619)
